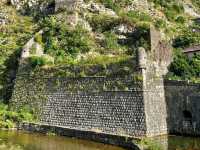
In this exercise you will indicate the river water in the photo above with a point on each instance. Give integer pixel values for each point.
(13, 140)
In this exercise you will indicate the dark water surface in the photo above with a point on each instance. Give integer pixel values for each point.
(179, 143)
(183, 143)
(13, 140)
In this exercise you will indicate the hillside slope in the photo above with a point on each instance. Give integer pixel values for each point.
(104, 39)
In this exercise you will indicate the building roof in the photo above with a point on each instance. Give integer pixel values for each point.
(192, 49)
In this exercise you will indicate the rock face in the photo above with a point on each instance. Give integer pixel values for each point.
(29, 6)
(99, 8)
(138, 5)
(21, 3)
(68, 5)
(3, 18)
(29, 45)
(190, 10)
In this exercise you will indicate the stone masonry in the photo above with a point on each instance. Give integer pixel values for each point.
(105, 109)
(114, 106)
(183, 107)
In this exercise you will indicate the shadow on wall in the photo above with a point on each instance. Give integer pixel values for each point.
(8, 76)
(183, 107)
(183, 111)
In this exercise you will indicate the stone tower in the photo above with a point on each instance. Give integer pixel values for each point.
(153, 65)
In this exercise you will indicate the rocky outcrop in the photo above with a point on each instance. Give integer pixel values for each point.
(3, 18)
(98, 8)
(30, 6)
(138, 5)
(189, 9)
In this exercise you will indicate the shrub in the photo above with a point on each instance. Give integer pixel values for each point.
(150, 144)
(183, 41)
(116, 5)
(197, 4)
(9, 118)
(76, 41)
(40, 61)
(61, 41)
(160, 24)
(171, 8)
(38, 39)
(141, 16)
(180, 19)
(141, 37)
(111, 41)
(189, 36)
(102, 22)
(184, 67)
(180, 67)
(195, 65)
(133, 17)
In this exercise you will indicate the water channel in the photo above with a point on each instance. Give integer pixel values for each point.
(13, 140)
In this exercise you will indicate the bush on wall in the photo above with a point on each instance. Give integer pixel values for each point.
(184, 67)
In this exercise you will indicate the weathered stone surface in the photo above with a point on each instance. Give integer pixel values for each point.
(123, 141)
(104, 110)
(32, 44)
(141, 5)
(99, 8)
(119, 113)
(68, 5)
(115, 106)
(183, 107)
(3, 18)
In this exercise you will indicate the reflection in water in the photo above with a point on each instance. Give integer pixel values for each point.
(184, 143)
(23, 141)
(178, 143)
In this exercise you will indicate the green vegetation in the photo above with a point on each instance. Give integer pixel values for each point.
(170, 8)
(60, 40)
(102, 22)
(160, 24)
(102, 51)
(51, 133)
(115, 5)
(134, 17)
(101, 65)
(12, 37)
(149, 144)
(77, 48)
(189, 36)
(197, 4)
(9, 118)
(185, 68)
(40, 61)
(111, 41)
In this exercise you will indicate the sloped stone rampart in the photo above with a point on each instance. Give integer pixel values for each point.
(108, 107)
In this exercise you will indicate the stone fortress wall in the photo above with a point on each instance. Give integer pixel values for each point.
(114, 106)
(183, 107)
(103, 105)
(88, 104)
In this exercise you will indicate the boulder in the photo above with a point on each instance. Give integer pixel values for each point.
(99, 8)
